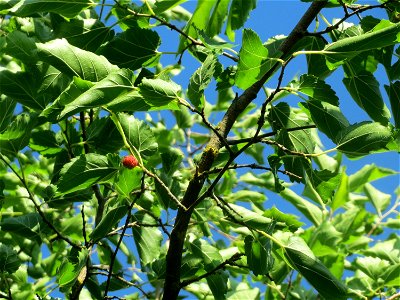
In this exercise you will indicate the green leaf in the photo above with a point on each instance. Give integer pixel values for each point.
(364, 89)
(147, 239)
(71, 268)
(108, 222)
(362, 138)
(7, 107)
(282, 117)
(100, 130)
(328, 118)
(315, 88)
(200, 80)
(275, 162)
(250, 218)
(19, 45)
(379, 199)
(198, 21)
(171, 160)
(75, 89)
(27, 226)
(342, 193)
(164, 5)
(138, 134)
(387, 250)
(325, 183)
(101, 93)
(291, 221)
(66, 8)
(244, 292)
(349, 47)
(73, 61)
(44, 142)
(316, 63)
(211, 258)
(366, 174)
(84, 171)
(217, 18)
(246, 196)
(128, 180)
(133, 48)
(238, 14)
(373, 267)
(308, 209)
(9, 260)
(86, 34)
(325, 239)
(393, 91)
(303, 260)
(16, 135)
(252, 60)
(130, 101)
(22, 87)
(258, 253)
(158, 92)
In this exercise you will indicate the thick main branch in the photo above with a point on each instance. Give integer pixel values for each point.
(174, 256)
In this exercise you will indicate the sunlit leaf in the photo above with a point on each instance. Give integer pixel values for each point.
(348, 47)
(302, 258)
(84, 171)
(368, 173)
(200, 80)
(147, 239)
(315, 88)
(250, 218)
(101, 93)
(328, 118)
(362, 138)
(73, 61)
(138, 134)
(238, 14)
(252, 60)
(211, 258)
(158, 92)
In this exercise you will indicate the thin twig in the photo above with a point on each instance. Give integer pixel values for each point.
(347, 16)
(234, 258)
(84, 224)
(268, 134)
(252, 166)
(381, 218)
(114, 254)
(393, 297)
(209, 125)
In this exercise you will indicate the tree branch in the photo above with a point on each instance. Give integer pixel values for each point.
(174, 256)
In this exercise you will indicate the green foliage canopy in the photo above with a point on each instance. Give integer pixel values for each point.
(77, 92)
